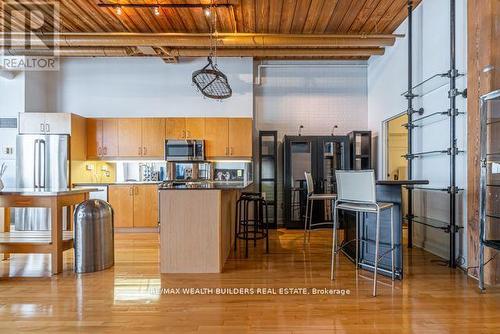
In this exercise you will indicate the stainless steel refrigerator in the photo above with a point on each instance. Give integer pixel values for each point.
(42, 161)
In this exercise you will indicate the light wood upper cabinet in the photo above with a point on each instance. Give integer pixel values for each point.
(129, 137)
(109, 137)
(145, 137)
(195, 128)
(175, 128)
(146, 206)
(184, 128)
(121, 199)
(94, 138)
(216, 137)
(78, 147)
(228, 137)
(153, 137)
(240, 137)
(102, 137)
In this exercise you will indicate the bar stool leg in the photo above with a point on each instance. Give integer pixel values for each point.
(305, 220)
(377, 236)
(392, 243)
(334, 241)
(267, 229)
(310, 221)
(357, 239)
(237, 223)
(256, 221)
(245, 227)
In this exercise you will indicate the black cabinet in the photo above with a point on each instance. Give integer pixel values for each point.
(319, 155)
(268, 172)
(360, 144)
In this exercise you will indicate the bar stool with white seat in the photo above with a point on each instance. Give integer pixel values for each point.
(311, 197)
(356, 192)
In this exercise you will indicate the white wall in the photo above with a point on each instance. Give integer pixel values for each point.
(311, 94)
(387, 79)
(133, 87)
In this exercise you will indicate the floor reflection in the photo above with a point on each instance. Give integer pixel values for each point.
(135, 290)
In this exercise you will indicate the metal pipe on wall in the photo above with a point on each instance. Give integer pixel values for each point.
(453, 140)
(410, 97)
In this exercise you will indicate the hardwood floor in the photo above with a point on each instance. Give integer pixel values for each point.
(125, 299)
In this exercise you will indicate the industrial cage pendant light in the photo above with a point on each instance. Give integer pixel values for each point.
(210, 81)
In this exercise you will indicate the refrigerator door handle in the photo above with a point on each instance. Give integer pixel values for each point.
(42, 160)
(35, 164)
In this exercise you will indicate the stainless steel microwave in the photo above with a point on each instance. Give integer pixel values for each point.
(184, 150)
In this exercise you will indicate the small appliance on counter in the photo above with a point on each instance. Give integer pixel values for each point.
(184, 150)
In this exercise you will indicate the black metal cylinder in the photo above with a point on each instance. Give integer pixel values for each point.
(410, 119)
(453, 140)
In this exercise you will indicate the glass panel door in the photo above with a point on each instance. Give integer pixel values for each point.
(301, 156)
(491, 168)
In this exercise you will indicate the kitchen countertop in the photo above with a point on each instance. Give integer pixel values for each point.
(44, 192)
(105, 184)
(402, 182)
(214, 185)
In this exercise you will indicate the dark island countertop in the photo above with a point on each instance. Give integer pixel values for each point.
(212, 185)
(401, 182)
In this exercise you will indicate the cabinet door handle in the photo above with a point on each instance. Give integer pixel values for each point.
(131, 191)
(42, 127)
(105, 151)
(188, 134)
(140, 150)
(231, 151)
(47, 127)
(136, 190)
(144, 150)
(99, 151)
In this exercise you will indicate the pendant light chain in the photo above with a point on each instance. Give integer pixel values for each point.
(210, 81)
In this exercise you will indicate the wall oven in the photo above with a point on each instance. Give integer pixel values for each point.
(184, 150)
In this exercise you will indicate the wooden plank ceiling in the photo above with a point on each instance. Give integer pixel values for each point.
(333, 17)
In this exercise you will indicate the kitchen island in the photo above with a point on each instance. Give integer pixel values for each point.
(53, 242)
(197, 225)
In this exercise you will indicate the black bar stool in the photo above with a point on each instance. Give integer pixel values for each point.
(259, 223)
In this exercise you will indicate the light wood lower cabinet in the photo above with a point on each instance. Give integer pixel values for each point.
(134, 205)
(121, 199)
(146, 206)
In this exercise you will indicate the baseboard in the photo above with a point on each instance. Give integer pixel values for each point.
(137, 230)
